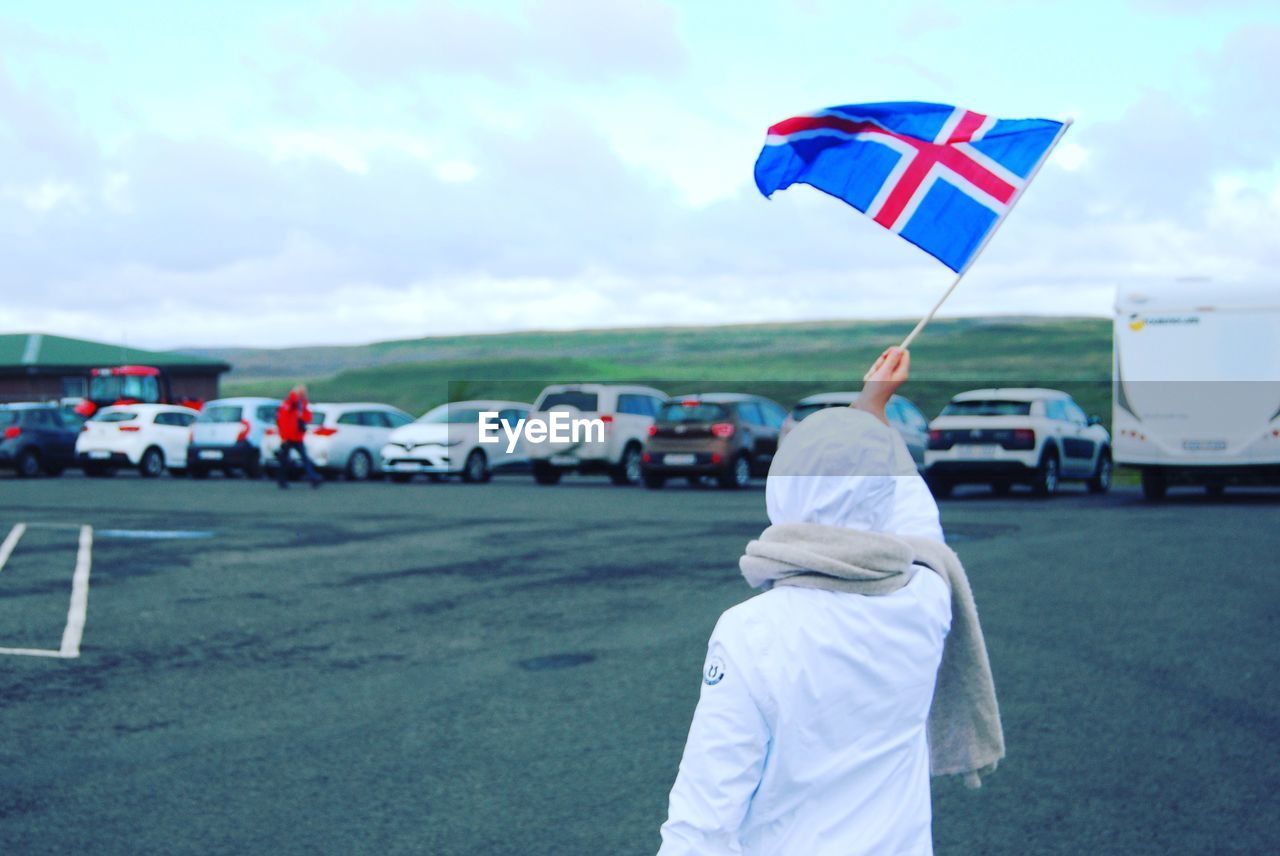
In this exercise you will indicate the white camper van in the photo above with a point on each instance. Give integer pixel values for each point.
(1196, 391)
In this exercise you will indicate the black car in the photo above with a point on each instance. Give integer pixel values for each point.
(36, 438)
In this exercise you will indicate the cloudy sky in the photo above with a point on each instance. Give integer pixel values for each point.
(293, 171)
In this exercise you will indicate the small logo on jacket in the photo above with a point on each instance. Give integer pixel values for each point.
(714, 673)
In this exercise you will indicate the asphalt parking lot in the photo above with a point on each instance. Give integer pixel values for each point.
(510, 669)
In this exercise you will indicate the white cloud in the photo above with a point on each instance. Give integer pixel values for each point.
(578, 204)
(115, 192)
(1069, 156)
(303, 144)
(454, 171)
(581, 40)
(46, 196)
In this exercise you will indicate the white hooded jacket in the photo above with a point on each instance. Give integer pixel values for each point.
(809, 737)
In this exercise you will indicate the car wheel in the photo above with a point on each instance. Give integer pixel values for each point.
(402, 478)
(1100, 482)
(939, 487)
(1154, 484)
(151, 464)
(738, 475)
(27, 464)
(359, 466)
(628, 469)
(1047, 475)
(198, 472)
(545, 473)
(476, 468)
(1001, 488)
(654, 481)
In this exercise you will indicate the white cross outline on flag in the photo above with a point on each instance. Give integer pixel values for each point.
(938, 171)
(921, 163)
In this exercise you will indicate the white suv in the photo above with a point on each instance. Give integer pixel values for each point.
(626, 411)
(1037, 437)
(150, 437)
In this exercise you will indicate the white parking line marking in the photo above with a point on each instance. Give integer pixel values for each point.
(31, 652)
(79, 608)
(10, 542)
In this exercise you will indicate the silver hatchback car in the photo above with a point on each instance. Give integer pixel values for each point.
(345, 438)
(227, 436)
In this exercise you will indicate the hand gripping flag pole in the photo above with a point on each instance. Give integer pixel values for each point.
(942, 177)
(915, 331)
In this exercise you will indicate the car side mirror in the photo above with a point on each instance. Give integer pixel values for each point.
(1095, 420)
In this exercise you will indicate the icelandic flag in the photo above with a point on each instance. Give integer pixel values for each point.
(940, 176)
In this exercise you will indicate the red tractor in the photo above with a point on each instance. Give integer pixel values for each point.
(129, 385)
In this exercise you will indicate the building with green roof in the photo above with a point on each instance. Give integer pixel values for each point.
(41, 367)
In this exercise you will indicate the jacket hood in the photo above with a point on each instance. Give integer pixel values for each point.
(843, 467)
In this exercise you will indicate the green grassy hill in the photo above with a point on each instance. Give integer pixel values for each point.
(782, 361)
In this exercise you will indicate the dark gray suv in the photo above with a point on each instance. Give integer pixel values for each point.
(36, 438)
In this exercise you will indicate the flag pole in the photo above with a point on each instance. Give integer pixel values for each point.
(906, 343)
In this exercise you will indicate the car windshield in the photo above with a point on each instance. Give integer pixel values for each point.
(317, 417)
(221, 413)
(115, 416)
(987, 407)
(587, 402)
(449, 414)
(692, 411)
(113, 387)
(808, 408)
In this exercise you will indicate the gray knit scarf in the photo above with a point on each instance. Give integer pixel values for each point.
(965, 735)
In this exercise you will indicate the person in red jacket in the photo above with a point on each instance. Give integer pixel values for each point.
(291, 423)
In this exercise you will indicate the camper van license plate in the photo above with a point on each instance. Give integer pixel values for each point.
(1204, 445)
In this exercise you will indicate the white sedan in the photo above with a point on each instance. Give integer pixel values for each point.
(149, 437)
(446, 441)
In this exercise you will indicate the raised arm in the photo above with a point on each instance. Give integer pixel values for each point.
(887, 373)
